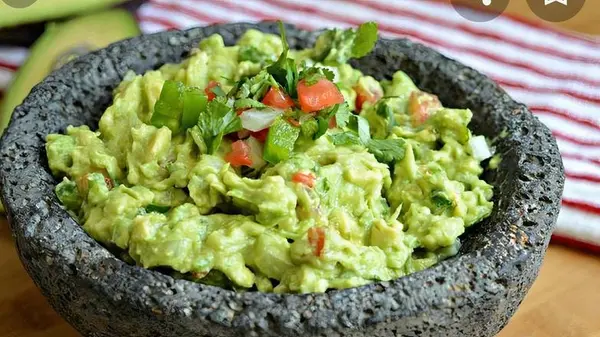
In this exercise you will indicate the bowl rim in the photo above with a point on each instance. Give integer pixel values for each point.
(127, 279)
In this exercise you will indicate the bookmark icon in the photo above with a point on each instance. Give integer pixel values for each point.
(564, 2)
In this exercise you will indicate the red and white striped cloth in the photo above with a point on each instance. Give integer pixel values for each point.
(557, 74)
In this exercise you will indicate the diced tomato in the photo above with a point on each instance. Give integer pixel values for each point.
(239, 155)
(208, 90)
(276, 98)
(316, 238)
(421, 105)
(307, 179)
(240, 111)
(332, 122)
(318, 96)
(261, 135)
(371, 95)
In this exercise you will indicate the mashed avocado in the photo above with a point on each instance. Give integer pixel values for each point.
(258, 167)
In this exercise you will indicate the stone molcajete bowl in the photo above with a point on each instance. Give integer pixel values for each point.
(471, 294)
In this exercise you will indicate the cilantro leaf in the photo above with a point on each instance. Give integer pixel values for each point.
(284, 70)
(157, 208)
(385, 111)
(219, 120)
(314, 74)
(254, 87)
(366, 37)
(253, 54)
(384, 150)
(322, 127)
(360, 125)
(338, 46)
(345, 138)
(245, 103)
(387, 150)
(342, 115)
(440, 199)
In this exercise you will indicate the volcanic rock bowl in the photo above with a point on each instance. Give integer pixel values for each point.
(471, 294)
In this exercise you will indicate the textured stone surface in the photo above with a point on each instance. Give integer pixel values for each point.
(472, 294)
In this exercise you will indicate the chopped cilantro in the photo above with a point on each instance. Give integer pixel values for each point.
(157, 209)
(345, 138)
(220, 119)
(387, 150)
(254, 87)
(245, 103)
(385, 111)
(284, 70)
(314, 74)
(253, 54)
(338, 46)
(366, 37)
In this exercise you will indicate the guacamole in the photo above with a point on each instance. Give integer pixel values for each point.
(257, 167)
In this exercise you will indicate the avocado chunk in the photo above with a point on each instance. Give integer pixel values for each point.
(50, 10)
(61, 43)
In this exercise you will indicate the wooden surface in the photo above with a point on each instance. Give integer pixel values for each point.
(562, 303)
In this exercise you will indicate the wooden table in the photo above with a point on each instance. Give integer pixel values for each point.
(562, 303)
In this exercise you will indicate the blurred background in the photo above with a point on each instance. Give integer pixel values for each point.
(553, 66)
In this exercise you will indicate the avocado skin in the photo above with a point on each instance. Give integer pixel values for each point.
(471, 295)
(79, 36)
(25, 35)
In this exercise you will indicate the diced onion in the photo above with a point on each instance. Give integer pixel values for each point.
(256, 153)
(259, 119)
(480, 148)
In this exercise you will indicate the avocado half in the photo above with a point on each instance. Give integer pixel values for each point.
(44, 10)
(60, 43)
(26, 32)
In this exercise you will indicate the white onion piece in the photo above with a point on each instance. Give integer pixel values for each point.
(256, 153)
(256, 120)
(480, 148)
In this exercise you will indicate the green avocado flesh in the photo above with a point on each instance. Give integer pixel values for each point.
(378, 181)
(59, 44)
(45, 10)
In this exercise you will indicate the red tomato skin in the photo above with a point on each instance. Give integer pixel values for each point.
(332, 122)
(363, 96)
(208, 90)
(421, 105)
(316, 238)
(261, 135)
(276, 98)
(239, 155)
(318, 96)
(304, 179)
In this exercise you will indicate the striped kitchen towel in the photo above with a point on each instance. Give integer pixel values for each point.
(556, 74)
